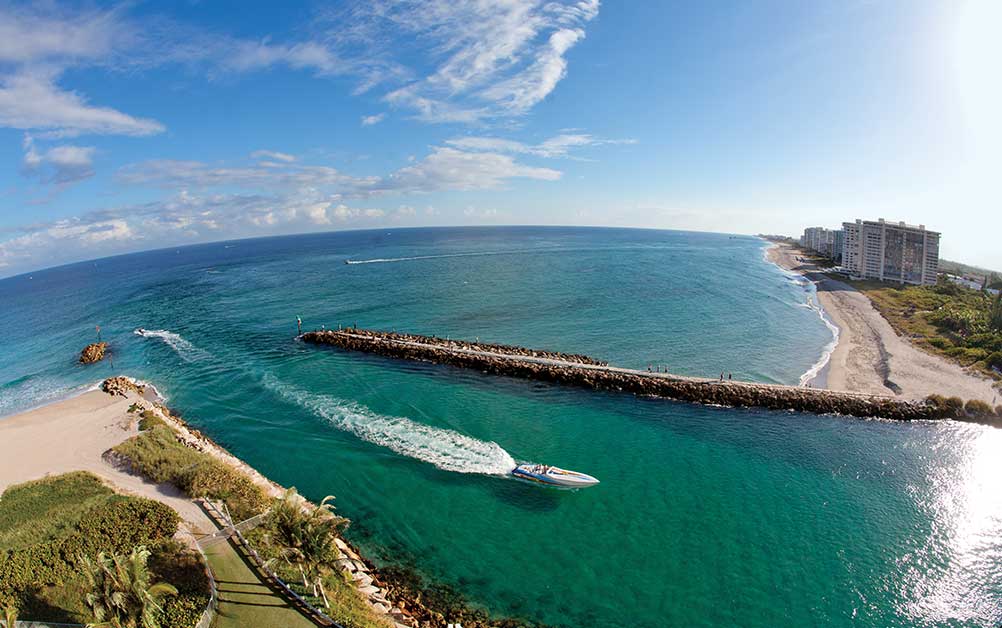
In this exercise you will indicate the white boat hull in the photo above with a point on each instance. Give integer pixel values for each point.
(554, 476)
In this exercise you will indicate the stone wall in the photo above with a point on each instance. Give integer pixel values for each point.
(599, 377)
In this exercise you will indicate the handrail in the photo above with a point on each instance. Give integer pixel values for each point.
(311, 610)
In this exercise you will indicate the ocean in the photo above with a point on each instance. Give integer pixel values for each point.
(704, 516)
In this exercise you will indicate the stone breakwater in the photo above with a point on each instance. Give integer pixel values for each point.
(447, 343)
(537, 365)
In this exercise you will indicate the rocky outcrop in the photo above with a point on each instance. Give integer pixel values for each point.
(122, 386)
(593, 374)
(93, 352)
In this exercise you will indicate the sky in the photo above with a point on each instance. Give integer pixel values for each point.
(141, 125)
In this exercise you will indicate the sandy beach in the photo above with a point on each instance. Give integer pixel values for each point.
(73, 435)
(871, 357)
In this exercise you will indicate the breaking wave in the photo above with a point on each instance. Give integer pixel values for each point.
(446, 449)
(187, 351)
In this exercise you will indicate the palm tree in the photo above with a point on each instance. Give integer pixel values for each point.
(10, 616)
(307, 537)
(121, 594)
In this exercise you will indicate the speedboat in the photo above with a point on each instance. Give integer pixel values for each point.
(554, 476)
(139, 331)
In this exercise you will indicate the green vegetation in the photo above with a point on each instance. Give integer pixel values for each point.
(149, 419)
(961, 324)
(978, 409)
(51, 529)
(122, 593)
(158, 455)
(299, 545)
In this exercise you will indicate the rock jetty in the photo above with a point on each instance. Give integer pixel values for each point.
(93, 352)
(581, 371)
(121, 385)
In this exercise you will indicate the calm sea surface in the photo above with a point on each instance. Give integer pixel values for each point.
(704, 517)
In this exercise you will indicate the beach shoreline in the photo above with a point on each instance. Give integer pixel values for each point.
(870, 357)
(78, 432)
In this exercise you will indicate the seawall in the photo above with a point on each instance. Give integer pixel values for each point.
(580, 371)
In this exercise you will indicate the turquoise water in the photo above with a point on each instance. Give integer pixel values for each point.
(704, 517)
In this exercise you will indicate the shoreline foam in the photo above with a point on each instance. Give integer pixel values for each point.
(870, 356)
(818, 372)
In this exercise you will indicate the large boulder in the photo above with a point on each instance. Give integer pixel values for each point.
(93, 352)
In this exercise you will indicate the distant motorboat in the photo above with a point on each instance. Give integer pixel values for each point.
(139, 331)
(554, 476)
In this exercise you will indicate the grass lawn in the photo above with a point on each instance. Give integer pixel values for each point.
(244, 601)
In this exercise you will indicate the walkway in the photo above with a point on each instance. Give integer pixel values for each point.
(244, 600)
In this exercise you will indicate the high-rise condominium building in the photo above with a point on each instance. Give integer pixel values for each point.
(827, 242)
(890, 251)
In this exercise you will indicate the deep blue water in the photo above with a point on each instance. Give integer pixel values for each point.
(705, 516)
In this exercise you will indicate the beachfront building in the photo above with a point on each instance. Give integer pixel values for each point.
(890, 251)
(826, 242)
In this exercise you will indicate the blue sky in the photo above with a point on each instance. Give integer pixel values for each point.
(141, 125)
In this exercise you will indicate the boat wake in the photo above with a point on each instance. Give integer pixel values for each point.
(187, 351)
(446, 449)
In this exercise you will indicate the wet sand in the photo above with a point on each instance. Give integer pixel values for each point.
(871, 357)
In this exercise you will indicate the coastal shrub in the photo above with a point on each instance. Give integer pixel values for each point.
(116, 523)
(939, 342)
(942, 410)
(149, 419)
(988, 341)
(978, 408)
(994, 361)
(157, 454)
(174, 563)
(966, 355)
(954, 406)
(960, 318)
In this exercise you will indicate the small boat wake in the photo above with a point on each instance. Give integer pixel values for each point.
(388, 260)
(446, 449)
(187, 351)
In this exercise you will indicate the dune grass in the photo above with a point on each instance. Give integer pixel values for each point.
(43, 510)
(157, 454)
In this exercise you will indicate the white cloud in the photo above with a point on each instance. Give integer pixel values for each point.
(273, 155)
(60, 164)
(33, 102)
(177, 174)
(181, 219)
(32, 36)
(557, 146)
(489, 59)
(448, 168)
(373, 119)
(246, 56)
(445, 168)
